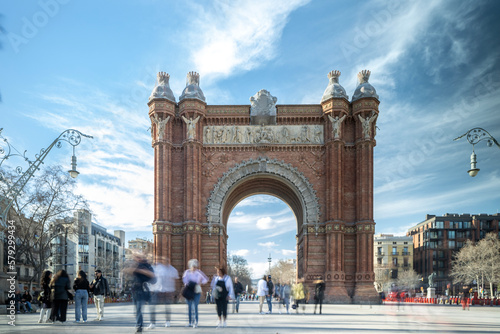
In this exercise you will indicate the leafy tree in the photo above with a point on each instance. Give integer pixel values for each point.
(40, 212)
(238, 267)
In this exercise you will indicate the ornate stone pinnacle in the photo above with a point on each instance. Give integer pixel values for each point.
(163, 78)
(193, 78)
(363, 76)
(334, 76)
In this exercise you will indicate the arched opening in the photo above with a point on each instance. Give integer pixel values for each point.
(262, 230)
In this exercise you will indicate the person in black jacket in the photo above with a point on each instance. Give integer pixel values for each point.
(45, 296)
(319, 295)
(81, 287)
(99, 287)
(270, 293)
(238, 289)
(59, 286)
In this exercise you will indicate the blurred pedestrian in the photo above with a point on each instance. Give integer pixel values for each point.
(193, 278)
(299, 295)
(142, 272)
(163, 291)
(222, 289)
(319, 294)
(81, 287)
(285, 293)
(60, 287)
(45, 297)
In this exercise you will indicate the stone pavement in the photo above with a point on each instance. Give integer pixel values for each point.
(119, 318)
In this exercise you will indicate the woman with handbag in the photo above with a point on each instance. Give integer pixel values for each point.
(59, 286)
(81, 287)
(44, 297)
(192, 279)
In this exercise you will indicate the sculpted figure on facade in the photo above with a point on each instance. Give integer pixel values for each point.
(160, 125)
(191, 126)
(366, 123)
(336, 124)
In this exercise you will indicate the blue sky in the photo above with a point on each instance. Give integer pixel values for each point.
(92, 65)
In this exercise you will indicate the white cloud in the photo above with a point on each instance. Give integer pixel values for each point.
(258, 269)
(288, 252)
(264, 223)
(268, 245)
(238, 35)
(241, 252)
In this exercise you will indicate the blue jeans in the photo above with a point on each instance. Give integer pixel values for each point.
(193, 309)
(81, 299)
(270, 303)
(237, 303)
(140, 298)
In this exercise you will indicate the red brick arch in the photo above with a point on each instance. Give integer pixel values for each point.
(325, 175)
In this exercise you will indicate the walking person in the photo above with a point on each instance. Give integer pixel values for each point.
(81, 287)
(100, 289)
(162, 292)
(319, 294)
(45, 297)
(142, 272)
(59, 286)
(285, 292)
(270, 293)
(299, 295)
(193, 278)
(238, 289)
(262, 292)
(222, 289)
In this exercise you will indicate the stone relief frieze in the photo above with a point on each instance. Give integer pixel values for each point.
(263, 134)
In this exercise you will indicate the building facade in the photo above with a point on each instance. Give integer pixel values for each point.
(87, 246)
(317, 158)
(141, 245)
(393, 254)
(437, 238)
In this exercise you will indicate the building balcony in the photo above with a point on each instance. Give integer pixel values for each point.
(380, 254)
(405, 253)
(394, 253)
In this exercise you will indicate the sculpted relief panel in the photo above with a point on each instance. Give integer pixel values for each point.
(263, 134)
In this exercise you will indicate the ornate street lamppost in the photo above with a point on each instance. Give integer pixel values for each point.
(73, 137)
(269, 260)
(474, 136)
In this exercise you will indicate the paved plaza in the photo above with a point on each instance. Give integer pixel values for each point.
(119, 318)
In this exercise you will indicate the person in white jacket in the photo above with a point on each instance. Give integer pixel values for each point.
(262, 292)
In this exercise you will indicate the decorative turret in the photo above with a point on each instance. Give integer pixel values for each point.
(334, 89)
(192, 90)
(364, 88)
(162, 89)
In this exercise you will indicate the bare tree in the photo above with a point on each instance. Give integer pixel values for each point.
(408, 279)
(283, 271)
(238, 267)
(382, 279)
(478, 262)
(46, 204)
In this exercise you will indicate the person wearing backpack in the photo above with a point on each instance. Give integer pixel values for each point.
(222, 290)
(142, 272)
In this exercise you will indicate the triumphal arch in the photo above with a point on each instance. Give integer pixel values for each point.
(317, 158)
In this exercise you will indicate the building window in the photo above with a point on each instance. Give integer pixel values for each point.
(395, 261)
(379, 251)
(451, 244)
(394, 250)
(379, 260)
(451, 234)
(394, 243)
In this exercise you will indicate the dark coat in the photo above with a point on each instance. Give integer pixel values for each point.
(60, 288)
